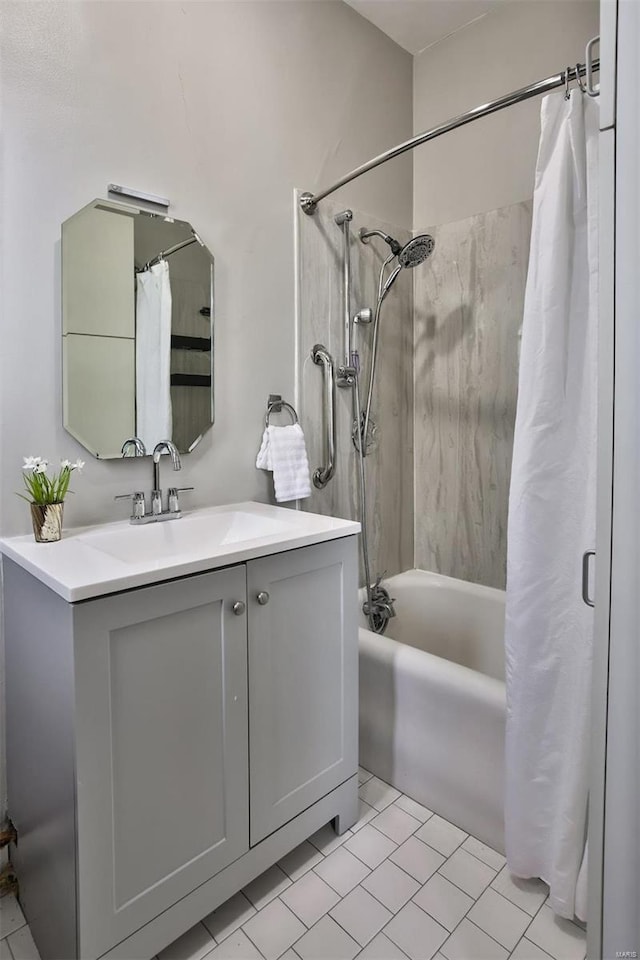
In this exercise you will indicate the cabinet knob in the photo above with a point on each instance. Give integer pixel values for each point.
(263, 597)
(238, 608)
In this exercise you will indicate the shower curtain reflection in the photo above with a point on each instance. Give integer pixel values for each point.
(153, 355)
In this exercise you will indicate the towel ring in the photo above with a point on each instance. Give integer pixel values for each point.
(275, 405)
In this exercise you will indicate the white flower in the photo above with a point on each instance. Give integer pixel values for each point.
(66, 465)
(30, 463)
(41, 466)
(78, 465)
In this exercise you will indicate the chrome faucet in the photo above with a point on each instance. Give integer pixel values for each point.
(165, 446)
(138, 446)
(173, 511)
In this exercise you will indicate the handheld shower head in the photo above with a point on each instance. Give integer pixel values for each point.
(416, 251)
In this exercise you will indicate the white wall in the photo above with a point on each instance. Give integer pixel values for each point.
(490, 163)
(224, 107)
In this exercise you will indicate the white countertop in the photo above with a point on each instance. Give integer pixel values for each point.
(97, 560)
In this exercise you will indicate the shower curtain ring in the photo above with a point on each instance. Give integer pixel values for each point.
(567, 78)
(581, 84)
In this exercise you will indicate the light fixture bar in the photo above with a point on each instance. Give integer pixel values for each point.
(137, 195)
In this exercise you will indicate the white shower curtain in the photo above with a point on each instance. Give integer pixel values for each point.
(154, 421)
(549, 629)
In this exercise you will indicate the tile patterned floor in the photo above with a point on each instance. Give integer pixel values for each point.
(402, 884)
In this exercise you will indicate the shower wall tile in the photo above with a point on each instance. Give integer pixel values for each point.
(389, 466)
(469, 301)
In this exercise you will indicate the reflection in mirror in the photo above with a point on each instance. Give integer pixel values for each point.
(137, 330)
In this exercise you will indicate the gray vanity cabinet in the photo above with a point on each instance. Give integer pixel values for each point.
(161, 748)
(302, 675)
(168, 743)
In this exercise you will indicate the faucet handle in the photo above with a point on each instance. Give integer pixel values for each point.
(138, 510)
(174, 502)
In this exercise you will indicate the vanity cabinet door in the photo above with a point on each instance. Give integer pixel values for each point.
(161, 744)
(303, 679)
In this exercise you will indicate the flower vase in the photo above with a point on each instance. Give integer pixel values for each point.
(47, 521)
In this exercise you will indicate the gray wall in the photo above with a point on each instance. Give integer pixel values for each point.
(491, 162)
(225, 107)
(471, 185)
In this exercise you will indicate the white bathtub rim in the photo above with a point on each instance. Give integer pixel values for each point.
(439, 670)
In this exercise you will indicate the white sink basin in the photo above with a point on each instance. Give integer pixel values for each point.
(194, 535)
(94, 561)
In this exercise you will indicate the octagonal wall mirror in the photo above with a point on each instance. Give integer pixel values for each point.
(137, 329)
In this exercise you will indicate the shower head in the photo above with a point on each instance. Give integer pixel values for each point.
(365, 235)
(416, 251)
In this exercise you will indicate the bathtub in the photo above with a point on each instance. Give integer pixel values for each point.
(432, 700)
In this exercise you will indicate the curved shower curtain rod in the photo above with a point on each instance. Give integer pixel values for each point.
(309, 201)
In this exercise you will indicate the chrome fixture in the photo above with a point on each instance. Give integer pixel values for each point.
(364, 316)
(275, 403)
(346, 373)
(366, 234)
(378, 606)
(309, 201)
(139, 449)
(138, 510)
(321, 356)
(585, 577)
(416, 251)
(591, 65)
(239, 607)
(139, 514)
(165, 446)
(413, 253)
(263, 598)
(137, 195)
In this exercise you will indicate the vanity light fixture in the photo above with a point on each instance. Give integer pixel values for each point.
(137, 195)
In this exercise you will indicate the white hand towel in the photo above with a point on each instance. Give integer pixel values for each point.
(284, 452)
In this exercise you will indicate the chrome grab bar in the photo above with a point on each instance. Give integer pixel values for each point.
(322, 357)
